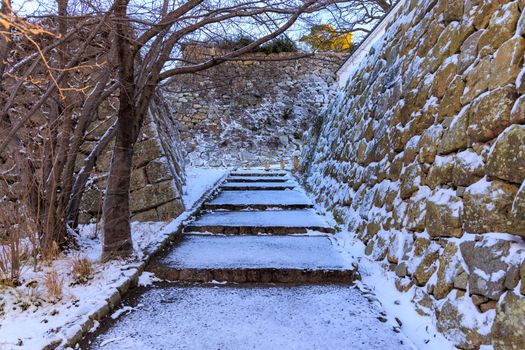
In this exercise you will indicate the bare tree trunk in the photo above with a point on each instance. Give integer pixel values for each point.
(116, 208)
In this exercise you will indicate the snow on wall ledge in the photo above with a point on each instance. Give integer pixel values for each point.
(421, 154)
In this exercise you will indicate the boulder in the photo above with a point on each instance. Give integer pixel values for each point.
(468, 51)
(506, 160)
(158, 170)
(476, 80)
(440, 172)
(487, 268)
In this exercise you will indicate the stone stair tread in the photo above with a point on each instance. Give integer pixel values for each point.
(259, 185)
(259, 172)
(303, 218)
(270, 198)
(255, 252)
(258, 178)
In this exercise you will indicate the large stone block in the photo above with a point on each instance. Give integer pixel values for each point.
(153, 196)
(158, 170)
(487, 205)
(490, 114)
(468, 168)
(444, 213)
(410, 180)
(506, 160)
(502, 27)
(476, 80)
(507, 62)
(508, 330)
(440, 172)
(469, 51)
(146, 151)
(455, 136)
(517, 115)
(487, 268)
(449, 267)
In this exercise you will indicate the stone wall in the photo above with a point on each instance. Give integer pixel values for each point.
(158, 168)
(249, 112)
(422, 157)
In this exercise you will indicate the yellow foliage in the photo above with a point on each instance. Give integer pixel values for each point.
(325, 37)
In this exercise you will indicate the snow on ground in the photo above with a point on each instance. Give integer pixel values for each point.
(267, 317)
(198, 181)
(30, 317)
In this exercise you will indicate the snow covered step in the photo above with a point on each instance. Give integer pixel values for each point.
(258, 178)
(276, 222)
(259, 172)
(251, 259)
(256, 317)
(238, 200)
(240, 186)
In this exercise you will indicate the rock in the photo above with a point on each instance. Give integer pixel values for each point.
(490, 305)
(518, 208)
(487, 269)
(448, 267)
(489, 114)
(483, 13)
(476, 80)
(410, 180)
(426, 268)
(146, 151)
(487, 205)
(522, 275)
(444, 76)
(450, 104)
(153, 196)
(478, 299)
(440, 172)
(508, 330)
(469, 51)
(461, 281)
(148, 215)
(401, 270)
(501, 27)
(517, 115)
(138, 179)
(452, 10)
(506, 160)
(443, 214)
(507, 62)
(450, 322)
(415, 214)
(455, 137)
(428, 144)
(158, 170)
(468, 168)
(512, 278)
(170, 210)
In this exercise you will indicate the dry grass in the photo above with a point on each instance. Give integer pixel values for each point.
(82, 269)
(54, 285)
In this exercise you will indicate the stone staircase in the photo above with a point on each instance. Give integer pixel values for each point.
(259, 228)
(256, 270)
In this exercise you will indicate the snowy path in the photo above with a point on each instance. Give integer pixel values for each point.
(278, 288)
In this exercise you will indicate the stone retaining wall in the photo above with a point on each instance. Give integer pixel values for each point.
(158, 168)
(422, 156)
(249, 112)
